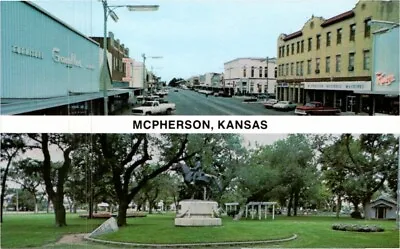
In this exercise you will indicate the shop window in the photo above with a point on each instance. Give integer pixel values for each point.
(352, 32)
(339, 36)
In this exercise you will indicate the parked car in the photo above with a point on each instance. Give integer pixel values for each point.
(316, 108)
(270, 103)
(176, 90)
(154, 107)
(285, 105)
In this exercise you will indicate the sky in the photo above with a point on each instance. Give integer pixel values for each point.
(196, 36)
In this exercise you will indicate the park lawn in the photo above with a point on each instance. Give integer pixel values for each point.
(311, 231)
(33, 230)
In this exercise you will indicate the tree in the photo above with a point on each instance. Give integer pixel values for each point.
(55, 174)
(127, 157)
(11, 146)
(26, 173)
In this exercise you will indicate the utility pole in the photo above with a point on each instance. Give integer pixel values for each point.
(267, 73)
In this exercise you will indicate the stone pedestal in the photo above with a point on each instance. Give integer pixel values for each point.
(197, 213)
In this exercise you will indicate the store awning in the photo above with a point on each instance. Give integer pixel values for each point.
(385, 93)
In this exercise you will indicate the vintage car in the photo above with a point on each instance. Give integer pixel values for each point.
(270, 103)
(153, 108)
(316, 108)
(284, 106)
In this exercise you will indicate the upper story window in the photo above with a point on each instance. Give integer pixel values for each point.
(367, 27)
(287, 50)
(338, 63)
(292, 48)
(339, 36)
(352, 32)
(309, 44)
(317, 64)
(302, 46)
(309, 67)
(287, 69)
(351, 61)
(318, 41)
(275, 72)
(244, 72)
(328, 65)
(260, 72)
(283, 51)
(266, 72)
(328, 39)
(298, 47)
(366, 60)
(280, 52)
(291, 68)
(252, 72)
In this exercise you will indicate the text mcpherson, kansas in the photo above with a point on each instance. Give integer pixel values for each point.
(211, 125)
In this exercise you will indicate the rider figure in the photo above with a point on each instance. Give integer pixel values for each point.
(196, 169)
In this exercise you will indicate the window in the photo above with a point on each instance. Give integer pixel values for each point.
(318, 41)
(244, 72)
(292, 48)
(252, 72)
(366, 61)
(297, 69)
(352, 32)
(283, 51)
(309, 44)
(298, 47)
(338, 63)
(291, 68)
(328, 39)
(351, 61)
(275, 72)
(309, 67)
(287, 50)
(339, 36)
(280, 52)
(287, 69)
(328, 65)
(301, 68)
(317, 63)
(302, 46)
(260, 72)
(266, 72)
(367, 27)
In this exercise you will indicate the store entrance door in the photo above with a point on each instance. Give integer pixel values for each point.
(350, 103)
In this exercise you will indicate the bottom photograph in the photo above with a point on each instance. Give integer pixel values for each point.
(199, 190)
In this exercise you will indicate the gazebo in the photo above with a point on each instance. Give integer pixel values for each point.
(260, 205)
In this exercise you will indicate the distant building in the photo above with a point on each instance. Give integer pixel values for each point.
(329, 60)
(250, 75)
(382, 208)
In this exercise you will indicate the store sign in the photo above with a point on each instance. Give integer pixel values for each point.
(70, 60)
(27, 52)
(341, 86)
(383, 79)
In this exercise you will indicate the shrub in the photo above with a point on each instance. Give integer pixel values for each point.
(356, 215)
(232, 213)
(357, 228)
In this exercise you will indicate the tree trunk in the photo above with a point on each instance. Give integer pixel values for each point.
(59, 211)
(338, 206)
(3, 189)
(75, 208)
(296, 203)
(48, 205)
(121, 218)
(90, 208)
(290, 203)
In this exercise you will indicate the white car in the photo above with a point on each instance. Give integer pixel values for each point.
(270, 103)
(154, 107)
(285, 105)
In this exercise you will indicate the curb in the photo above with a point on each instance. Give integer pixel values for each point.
(187, 245)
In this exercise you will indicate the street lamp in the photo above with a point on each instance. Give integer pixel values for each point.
(144, 70)
(109, 11)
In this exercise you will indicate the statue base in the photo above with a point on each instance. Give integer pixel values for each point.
(197, 213)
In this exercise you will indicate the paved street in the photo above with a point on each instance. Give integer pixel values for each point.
(192, 103)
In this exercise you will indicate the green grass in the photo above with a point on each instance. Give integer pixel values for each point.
(21, 231)
(311, 231)
(32, 230)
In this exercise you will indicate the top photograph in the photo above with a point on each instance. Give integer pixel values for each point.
(176, 57)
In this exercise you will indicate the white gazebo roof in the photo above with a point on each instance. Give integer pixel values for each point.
(261, 203)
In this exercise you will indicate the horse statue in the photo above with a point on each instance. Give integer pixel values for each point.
(196, 176)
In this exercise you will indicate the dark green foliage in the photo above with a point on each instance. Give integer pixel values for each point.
(357, 228)
(356, 215)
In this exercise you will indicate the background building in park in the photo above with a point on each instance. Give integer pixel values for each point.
(48, 67)
(329, 60)
(250, 75)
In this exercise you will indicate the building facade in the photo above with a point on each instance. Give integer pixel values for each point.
(328, 60)
(48, 67)
(250, 75)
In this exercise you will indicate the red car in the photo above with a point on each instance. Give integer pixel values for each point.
(316, 108)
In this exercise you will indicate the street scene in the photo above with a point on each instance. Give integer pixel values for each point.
(342, 59)
(199, 190)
